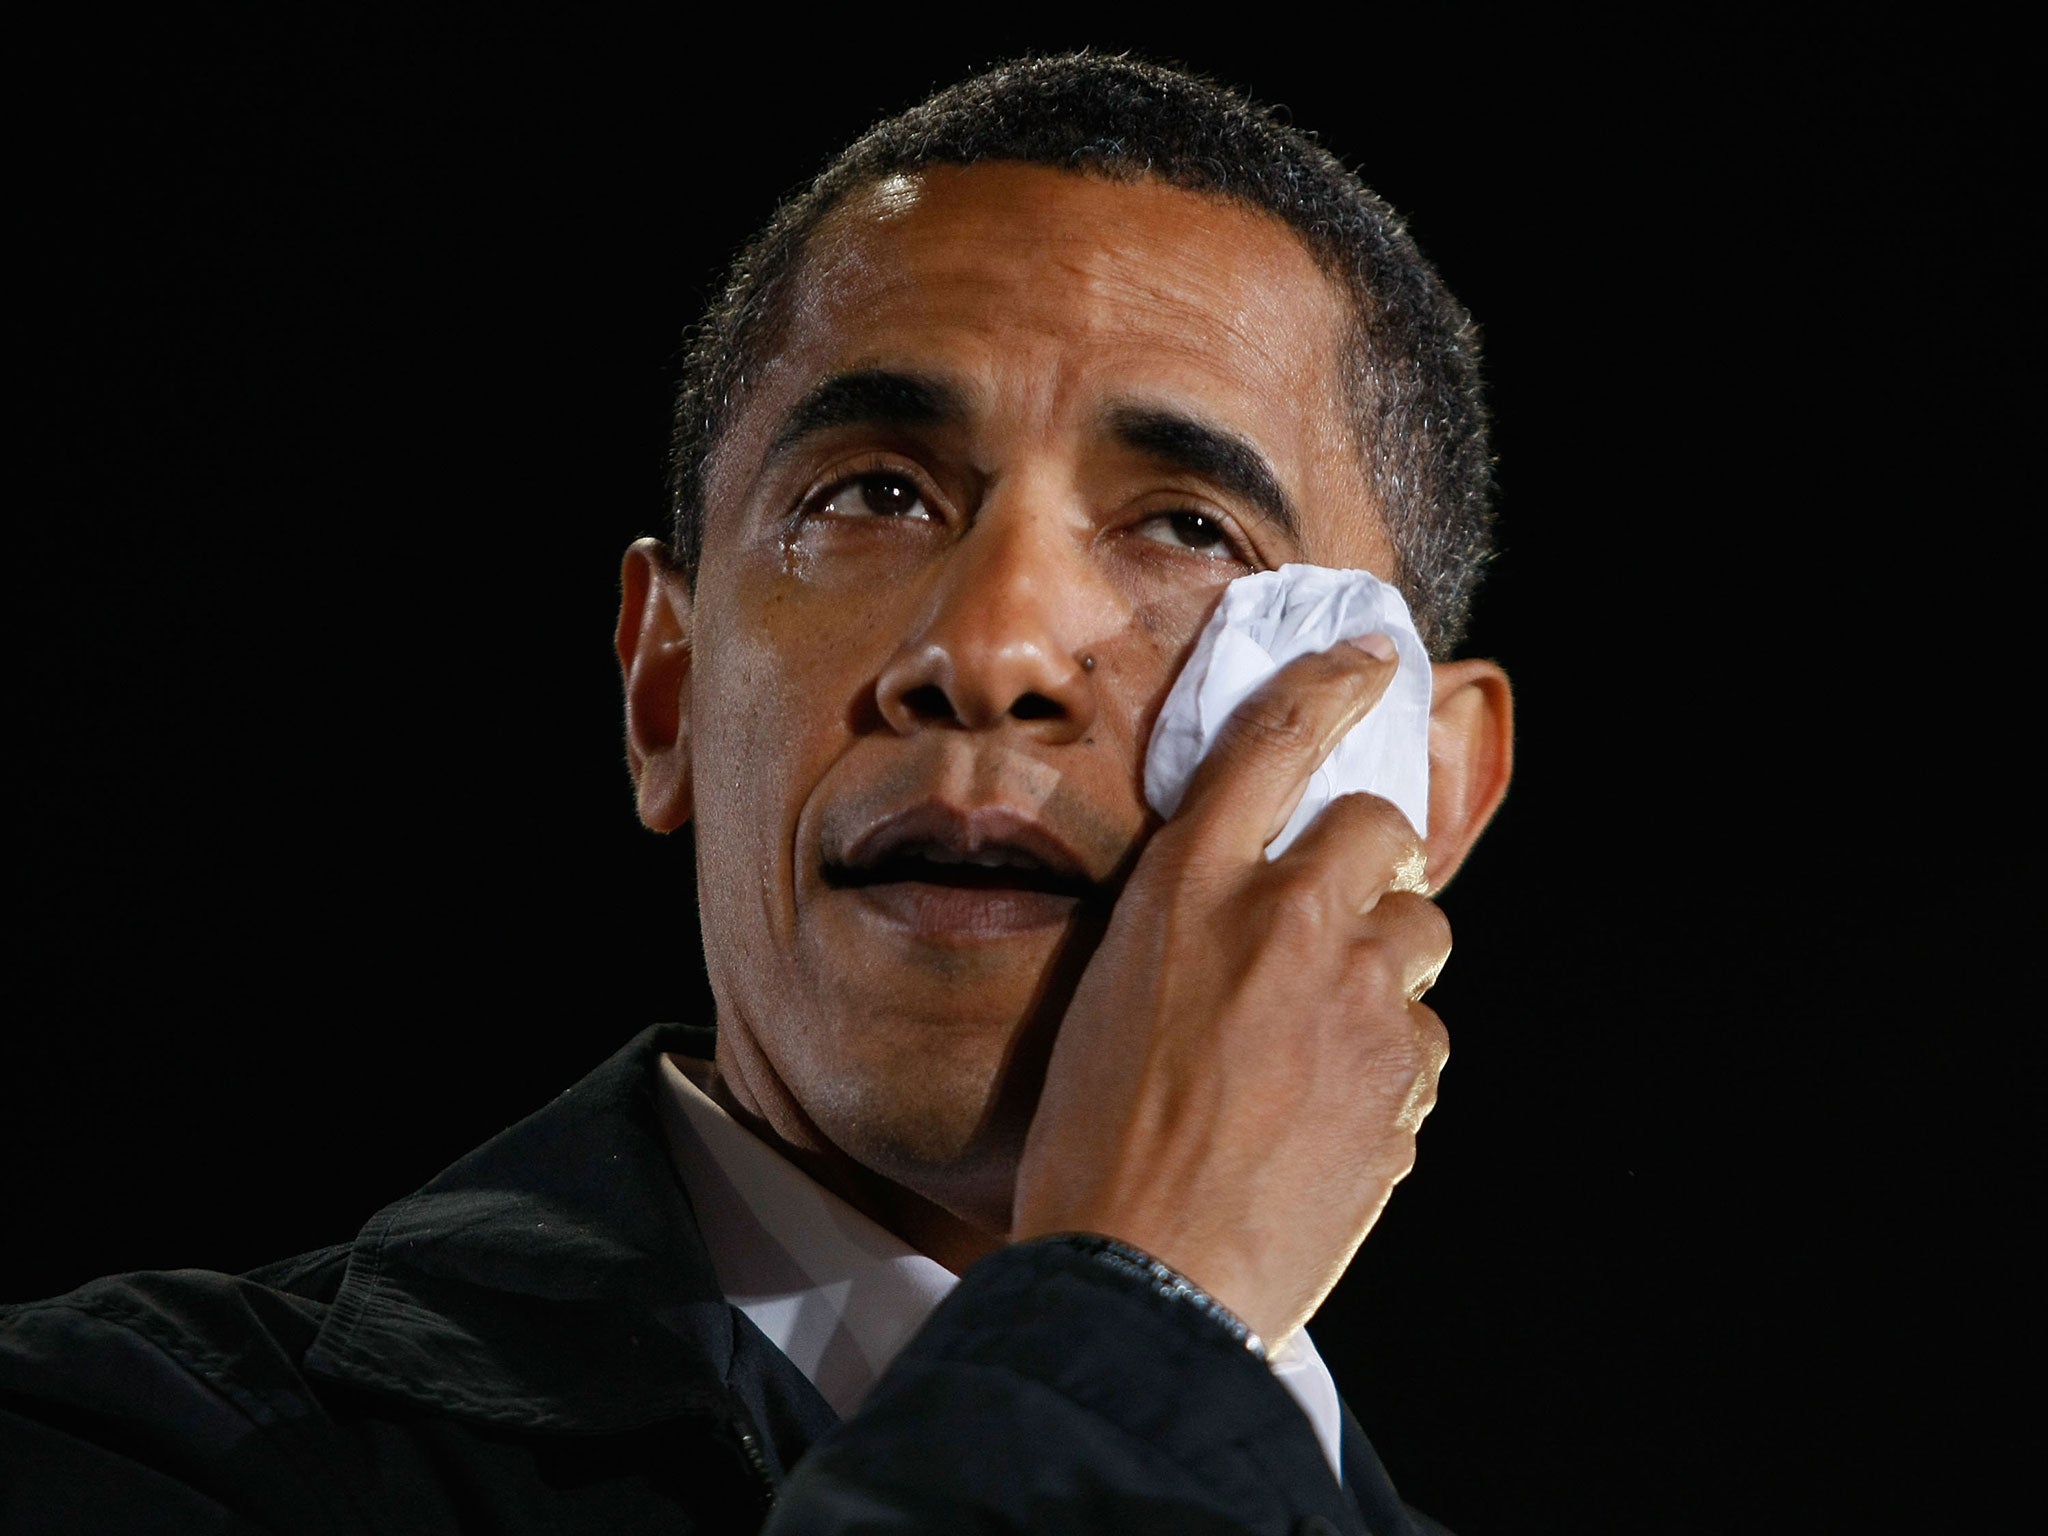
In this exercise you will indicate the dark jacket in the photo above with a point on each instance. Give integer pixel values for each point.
(536, 1342)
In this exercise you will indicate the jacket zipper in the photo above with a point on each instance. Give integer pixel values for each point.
(750, 1446)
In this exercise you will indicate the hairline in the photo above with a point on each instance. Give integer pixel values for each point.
(1354, 358)
(1409, 361)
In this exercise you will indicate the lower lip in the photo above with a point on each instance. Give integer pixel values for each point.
(965, 913)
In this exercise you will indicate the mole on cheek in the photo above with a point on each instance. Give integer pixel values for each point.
(1166, 631)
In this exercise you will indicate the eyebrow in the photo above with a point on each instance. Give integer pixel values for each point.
(886, 397)
(1210, 452)
(868, 397)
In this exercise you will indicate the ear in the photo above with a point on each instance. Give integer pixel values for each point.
(1471, 754)
(654, 660)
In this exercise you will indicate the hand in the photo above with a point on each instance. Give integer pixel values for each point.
(1238, 1082)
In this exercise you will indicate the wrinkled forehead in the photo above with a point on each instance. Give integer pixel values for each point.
(1084, 252)
(1051, 296)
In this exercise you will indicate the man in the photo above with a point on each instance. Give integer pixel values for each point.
(985, 423)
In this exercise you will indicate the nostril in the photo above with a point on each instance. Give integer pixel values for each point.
(928, 702)
(1036, 706)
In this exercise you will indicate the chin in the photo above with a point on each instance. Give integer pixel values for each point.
(947, 1124)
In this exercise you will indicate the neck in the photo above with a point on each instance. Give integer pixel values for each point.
(939, 1234)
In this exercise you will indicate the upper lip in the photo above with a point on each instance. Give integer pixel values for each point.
(993, 837)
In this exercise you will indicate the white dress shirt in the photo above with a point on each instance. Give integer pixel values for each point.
(832, 1289)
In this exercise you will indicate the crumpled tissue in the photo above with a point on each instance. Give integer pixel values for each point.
(1264, 621)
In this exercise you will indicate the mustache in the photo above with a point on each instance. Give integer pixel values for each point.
(963, 798)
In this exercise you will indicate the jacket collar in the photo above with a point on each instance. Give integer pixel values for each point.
(553, 1279)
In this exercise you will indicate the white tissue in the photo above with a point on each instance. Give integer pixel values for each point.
(1263, 622)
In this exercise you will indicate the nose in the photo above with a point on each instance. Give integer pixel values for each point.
(997, 640)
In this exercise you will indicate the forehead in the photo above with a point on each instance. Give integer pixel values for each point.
(1048, 298)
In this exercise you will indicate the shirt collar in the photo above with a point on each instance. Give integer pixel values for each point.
(832, 1289)
(555, 1278)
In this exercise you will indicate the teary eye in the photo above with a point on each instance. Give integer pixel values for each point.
(1189, 530)
(876, 496)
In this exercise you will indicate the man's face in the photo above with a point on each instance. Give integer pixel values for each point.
(1021, 429)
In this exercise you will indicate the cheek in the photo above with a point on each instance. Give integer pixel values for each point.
(777, 683)
(741, 745)
(1148, 657)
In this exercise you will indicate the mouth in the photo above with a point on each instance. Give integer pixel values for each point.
(947, 872)
(998, 868)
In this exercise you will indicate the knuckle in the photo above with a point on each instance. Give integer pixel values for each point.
(1273, 725)
(1428, 931)
(1371, 812)
(1411, 1074)
(1434, 1039)
(1185, 856)
(1377, 971)
(1396, 967)
(1303, 902)
(1371, 826)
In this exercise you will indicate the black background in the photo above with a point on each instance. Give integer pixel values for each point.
(343, 347)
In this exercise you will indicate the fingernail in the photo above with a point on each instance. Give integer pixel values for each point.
(1377, 646)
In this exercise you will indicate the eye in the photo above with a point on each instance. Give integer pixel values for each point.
(876, 495)
(1191, 531)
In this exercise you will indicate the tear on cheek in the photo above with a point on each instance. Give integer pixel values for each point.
(1024, 781)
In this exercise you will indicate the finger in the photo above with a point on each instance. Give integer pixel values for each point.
(1407, 941)
(1433, 1045)
(1400, 1060)
(1249, 784)
(1360, 847)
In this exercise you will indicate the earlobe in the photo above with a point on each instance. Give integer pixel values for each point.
(653, 643)
(1471, 755)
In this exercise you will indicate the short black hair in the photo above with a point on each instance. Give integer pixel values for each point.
(1412, 362)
